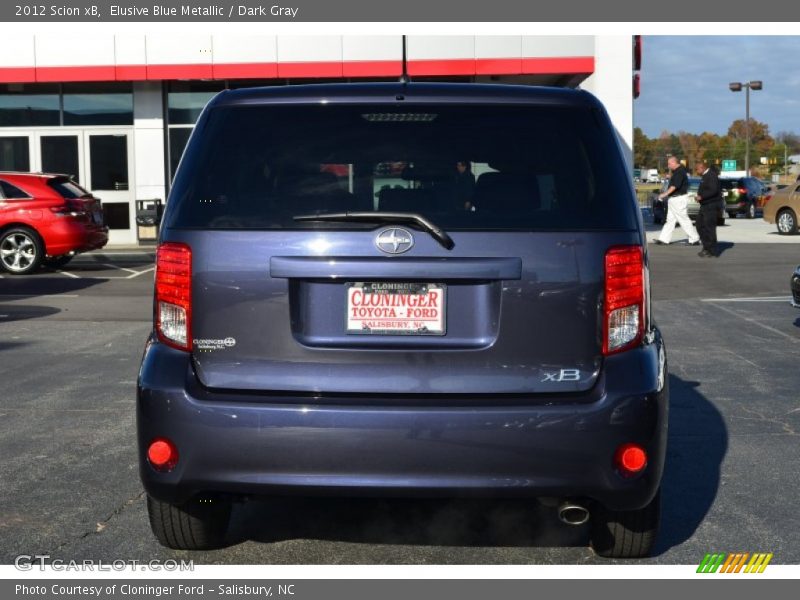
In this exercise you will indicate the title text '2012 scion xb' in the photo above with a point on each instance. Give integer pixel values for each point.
(403, 289)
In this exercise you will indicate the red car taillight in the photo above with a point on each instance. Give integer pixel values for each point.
(69, 209)
(743, 191)
(174, 295)
(624, 307)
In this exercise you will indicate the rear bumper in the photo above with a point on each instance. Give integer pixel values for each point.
(64, 236)
(246, 444)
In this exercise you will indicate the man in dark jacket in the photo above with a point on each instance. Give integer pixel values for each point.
(709, 195)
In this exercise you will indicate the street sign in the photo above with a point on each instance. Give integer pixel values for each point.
(728, 165)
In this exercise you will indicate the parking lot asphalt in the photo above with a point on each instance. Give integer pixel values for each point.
(70, 344)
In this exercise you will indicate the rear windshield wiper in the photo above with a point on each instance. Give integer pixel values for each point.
(386, 217)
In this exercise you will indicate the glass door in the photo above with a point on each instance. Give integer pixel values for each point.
(15, 152)
(60, 153)
(109, 176)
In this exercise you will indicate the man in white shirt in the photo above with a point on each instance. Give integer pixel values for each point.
(678, 199)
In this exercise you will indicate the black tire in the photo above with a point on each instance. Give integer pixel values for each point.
(57, 262)
(751, 210)
(21, 250)
(199, 524)
(626, 534)
(786, 222)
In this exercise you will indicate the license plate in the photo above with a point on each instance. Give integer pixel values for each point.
(375, 308)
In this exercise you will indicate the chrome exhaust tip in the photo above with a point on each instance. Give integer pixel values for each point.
(572, 514)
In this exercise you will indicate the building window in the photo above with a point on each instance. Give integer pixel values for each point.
(29, 104)
(15, 153)
(186, 99)
(108, 162)
(60, 154)
(98, 104)
(178, 137)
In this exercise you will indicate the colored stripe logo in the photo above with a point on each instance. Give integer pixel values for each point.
(738, 562)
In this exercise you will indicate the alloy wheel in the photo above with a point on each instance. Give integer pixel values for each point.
(18, 252)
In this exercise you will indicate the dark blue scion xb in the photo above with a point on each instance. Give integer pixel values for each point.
(403, 289)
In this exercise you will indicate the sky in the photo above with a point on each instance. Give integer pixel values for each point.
(685, 83)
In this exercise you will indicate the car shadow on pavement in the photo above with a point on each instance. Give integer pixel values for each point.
(698, 442)
(19, 288)
(460, 522)
(10, 313)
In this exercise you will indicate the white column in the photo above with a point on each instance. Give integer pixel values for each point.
(612, 83)
(148, 143)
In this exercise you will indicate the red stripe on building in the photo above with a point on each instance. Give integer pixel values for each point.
(204, 71)
(498, 66)
(246, 71)
(130, 72)
(442, 67)
(372, 68)
(17, 74)
(94, 73)
(309, 69)
(572, 65)
(300, 70)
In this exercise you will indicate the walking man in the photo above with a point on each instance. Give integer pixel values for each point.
(709, 195)
(678, 198)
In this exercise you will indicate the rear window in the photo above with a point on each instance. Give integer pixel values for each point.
(463, 167)
(67, 188)
(729, 184)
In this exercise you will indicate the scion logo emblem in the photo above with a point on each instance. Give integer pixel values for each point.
(394, 240)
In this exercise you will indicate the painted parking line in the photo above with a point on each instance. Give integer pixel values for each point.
(757, 322)
(119, 268)
(137, 273)
(132, 273)
(753, 299)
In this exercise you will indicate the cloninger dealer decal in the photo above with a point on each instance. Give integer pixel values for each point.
(209, 345)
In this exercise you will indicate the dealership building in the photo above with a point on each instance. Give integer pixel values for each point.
(116, 111)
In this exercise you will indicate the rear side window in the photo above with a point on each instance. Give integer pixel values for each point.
(11, 192)
(67, 188)
(465, 167)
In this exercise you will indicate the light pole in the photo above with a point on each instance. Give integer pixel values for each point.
(737, 87)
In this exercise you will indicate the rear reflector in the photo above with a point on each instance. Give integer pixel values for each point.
(630, 459)
(174, 295)
(623, 319)
(162, 454)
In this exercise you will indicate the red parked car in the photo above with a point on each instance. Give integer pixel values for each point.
(46, 219)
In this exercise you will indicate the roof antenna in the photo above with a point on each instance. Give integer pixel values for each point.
(404, 78)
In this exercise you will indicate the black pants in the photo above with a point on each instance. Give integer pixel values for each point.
(707, 226)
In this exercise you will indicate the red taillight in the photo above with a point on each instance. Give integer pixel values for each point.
(69, 209)
(624, 312)
(162, 454)
(637, 85)
(637, 53)
(630, 459)
(174, 295)
(742, 191)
